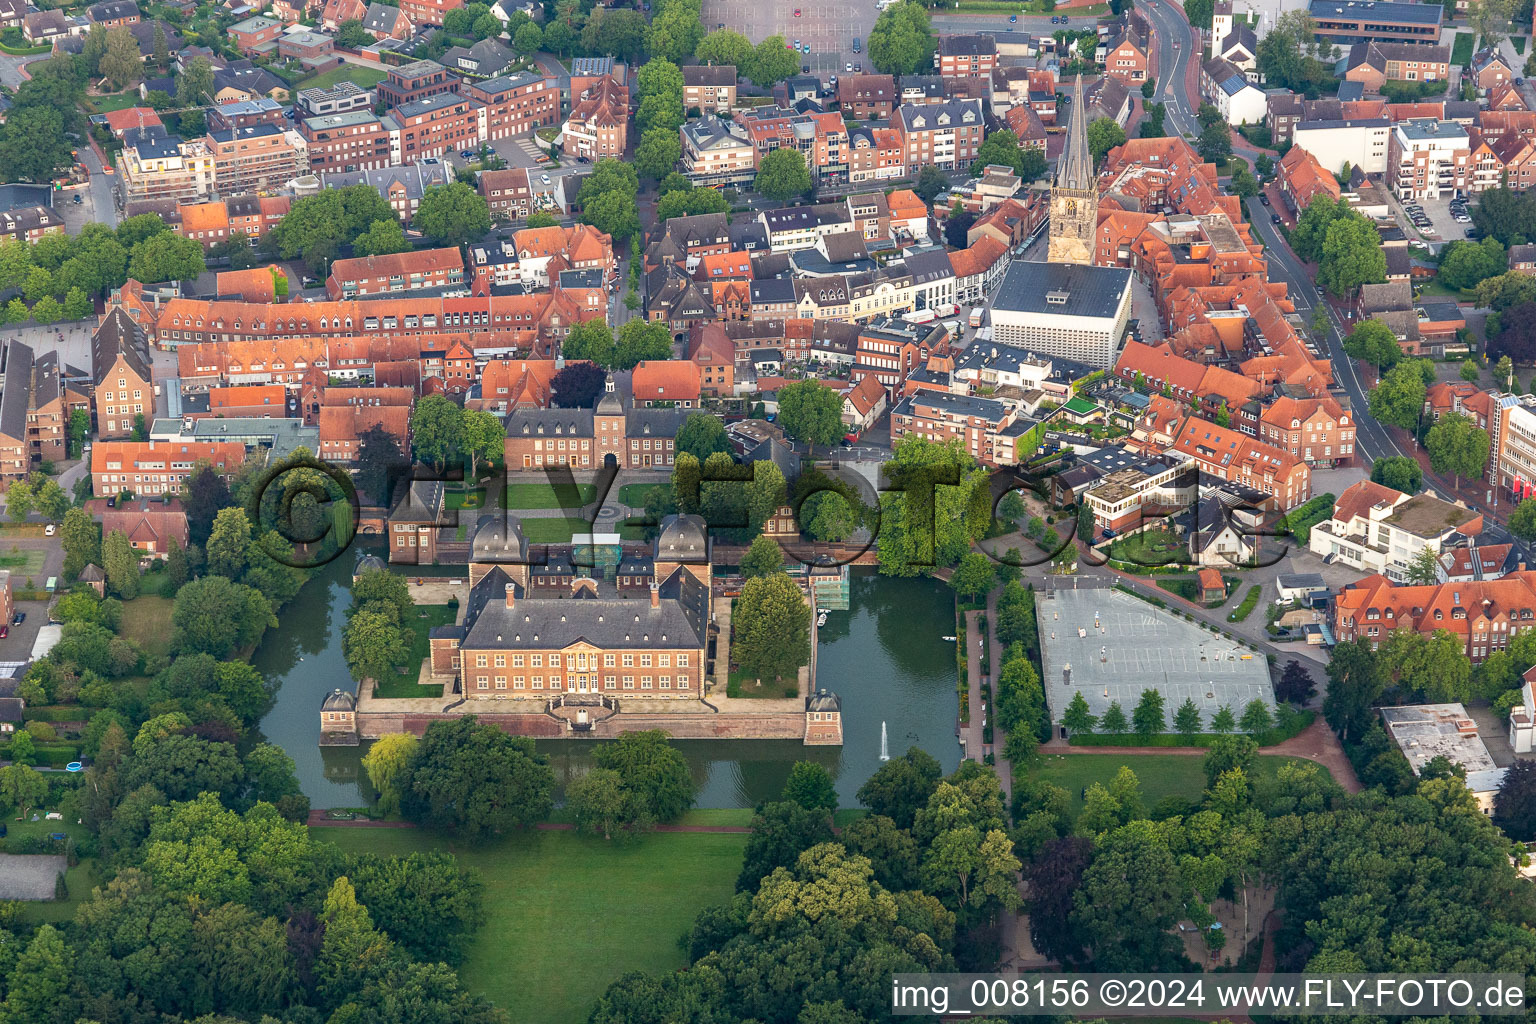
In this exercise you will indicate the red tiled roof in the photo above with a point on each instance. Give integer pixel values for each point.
(666, 380)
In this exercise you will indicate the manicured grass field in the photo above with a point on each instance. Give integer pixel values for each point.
(547, 496)
(405, 685)
(1461, 52)
(1160, 774)
(23, 562)
(553, 531)
(634, 495)
(147, 622)
(464, 500)
(363, 78)
(566, 914)
(122, 101)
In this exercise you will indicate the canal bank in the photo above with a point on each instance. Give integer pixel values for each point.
(883, 657)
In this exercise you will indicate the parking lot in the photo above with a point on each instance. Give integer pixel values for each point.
(828, 28)
(1443, 226)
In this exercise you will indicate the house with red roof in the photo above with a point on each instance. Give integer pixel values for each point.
(713, 351)
(1483, 615)
(1317, 430)
(1233, 456)
(158, 467)
(666, 382)
(408, 271)
(864, 403)
(150, 525)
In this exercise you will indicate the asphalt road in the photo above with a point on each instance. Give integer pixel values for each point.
(1170, 28)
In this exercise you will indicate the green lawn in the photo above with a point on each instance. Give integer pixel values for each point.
(464, 500)
(634, 495)
(1160, 774)
(554, 531)
(363, 78)
(1150, 547)
(405, 685)
(557, 902)
(147, 622)
(1461, 52)
(523, 496)
(106, 104)
(23, 562)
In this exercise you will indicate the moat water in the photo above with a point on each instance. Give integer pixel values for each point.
(883, 657)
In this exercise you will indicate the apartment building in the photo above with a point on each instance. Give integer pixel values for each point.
(1354, 21)
(981, 425)
(1361, 143)
(1233, 456)
(1373, 64)
(351, 141)
(155, 165)
(508, 193)
(717, 153)
(341, 98)
(968, 56)
(822, 138)
(428, 12)
(1426, 158)
(876, 154)
(516, 104)
(598, 125)
(35, 407)
(867, 97)
(947, 135)
(1319, 431)
(414, 81)
(398, 272)
(1375, 529)
(709, 88)
(432, 126)
(1483, 615)
(120, 372)
(158, 467)
(260, 158)
(29, 223)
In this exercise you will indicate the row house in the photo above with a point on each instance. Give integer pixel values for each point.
(1373, 64)
(317, 393)
(871, 215)
(889, 349)
(214, 222)
(713, 352)
(1302, 179)
(709, 88)
(867, 97)
(29, 223)
(408, 271)
(509, 193)
(821, 138)
(543, 253)
(353, 141)
(1319, 431)
(506, 384)
(670, 383)
(876, 154)
(343, 424)
(978, 269)
(801, 227)
(1235, 457)
(516, 104)
(983, 427)
(947, 135)
(150, 468)
(717, 153)
(1483, 615)
(598, 125)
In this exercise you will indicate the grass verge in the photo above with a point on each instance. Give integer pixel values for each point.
(405, 685)
(1461, 51)
(571, 498)
(546, 911)
(1250, 601)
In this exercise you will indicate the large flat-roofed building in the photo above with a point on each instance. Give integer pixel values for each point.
(1359, 21)
(1424, 732)
(1078, 312)
(1110, 646)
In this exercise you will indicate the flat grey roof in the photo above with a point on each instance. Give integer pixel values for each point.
(1088, 291)
(1127, 646)
(1377, 11)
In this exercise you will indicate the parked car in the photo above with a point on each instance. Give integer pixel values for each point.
(848, 67)
(1056, 20)
(76, 199)
(545, 179)
(1013, 19)
(49, 530)
(1264, 199)
(19, 618)
(1274, 218)
(858, 69)
(805, 69)
(5, 631)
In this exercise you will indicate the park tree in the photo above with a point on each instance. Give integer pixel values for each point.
(229, 543)
(1398, 398)
(1256, 717)
(725, 46)
(1514, 805)
(930, 182)
(901, 787)
(1351, 256)
(1148, 717)
(1113, 720)
(121, 565)
(1223, 721)
(316, 227)
(1402, 473)
(782, 174)
(1458, 446)
(1186, 720)
(810, 785)
(475, 780)
(452, 215)
(218, 616)
(781, 831)
(81, 539)
(1354, 683)
(22, 787)
(655, 777)
(974, 576)
(1077, 717)
(702, 435)
(1466, 264)
(771, 627)
(374, 645)
(577, 385)
(901, 41)
(1130, 898)
(1490, 20)
(1296, 685)
(658, 153)
(483, 439)
(674, 32)
(166, 256)
(382, 238)
(811, 413)
(640, 340)
(925, 524)
(763, 558)
(601, 803)
(437, 430)
(772, 61)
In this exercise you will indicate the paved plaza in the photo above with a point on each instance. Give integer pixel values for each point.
(829, 28)
(1111, 646)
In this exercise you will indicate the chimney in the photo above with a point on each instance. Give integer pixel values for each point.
(655, 596)
(511, 600)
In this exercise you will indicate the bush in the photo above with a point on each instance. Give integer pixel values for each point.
(1292, 725)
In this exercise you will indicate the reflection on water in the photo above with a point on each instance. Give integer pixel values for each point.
(883, 657)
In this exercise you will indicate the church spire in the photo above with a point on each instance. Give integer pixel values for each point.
(1076, 168)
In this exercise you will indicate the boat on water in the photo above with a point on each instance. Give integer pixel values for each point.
(951, 639)
(821, 619)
